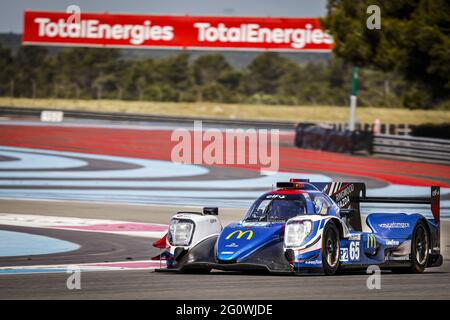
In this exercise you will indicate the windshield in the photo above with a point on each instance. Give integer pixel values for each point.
(281, 208)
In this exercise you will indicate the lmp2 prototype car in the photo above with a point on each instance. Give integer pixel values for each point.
(302, 227)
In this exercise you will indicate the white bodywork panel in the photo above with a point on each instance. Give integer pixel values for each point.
(205, 226)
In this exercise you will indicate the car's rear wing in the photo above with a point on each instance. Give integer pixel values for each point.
(348, 195)
(433, 200)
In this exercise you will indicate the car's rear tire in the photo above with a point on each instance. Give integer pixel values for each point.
(420, 245)
(330, 249)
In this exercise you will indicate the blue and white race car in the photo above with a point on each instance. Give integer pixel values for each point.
(305, 226)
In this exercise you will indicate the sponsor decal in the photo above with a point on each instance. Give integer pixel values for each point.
(240, 233)
(344, 202)
(354, 237)
(124, 30)
(232, 245)
(255, 224)
(352, 253)
(392, 243)
(371, 241)
(394, 225)
(344, 254)
(313, 262)
(343, 196)
(341, 192)
(272, 196)
(227, 252)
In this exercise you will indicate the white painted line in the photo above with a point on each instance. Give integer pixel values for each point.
(86, 225)
(84, 267)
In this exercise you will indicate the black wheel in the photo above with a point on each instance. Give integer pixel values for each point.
(330, 249)
(420, 247)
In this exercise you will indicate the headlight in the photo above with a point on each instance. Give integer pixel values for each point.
(181, 232)
(296, 232)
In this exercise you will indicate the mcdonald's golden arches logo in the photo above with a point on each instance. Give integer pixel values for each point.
(240, 234)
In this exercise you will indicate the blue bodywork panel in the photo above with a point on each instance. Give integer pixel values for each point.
(237, 241)
(393, 226)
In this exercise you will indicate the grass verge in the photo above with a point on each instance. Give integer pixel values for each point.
(238, 111)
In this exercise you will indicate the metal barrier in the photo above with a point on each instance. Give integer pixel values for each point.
(327, 138)
(361, 141)
(399, 129)
(136, 117)
(412, 148)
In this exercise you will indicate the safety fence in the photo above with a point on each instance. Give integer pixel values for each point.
(401, 129)
(325, 137)
(48, 114)
(412, 148)
(363, 141)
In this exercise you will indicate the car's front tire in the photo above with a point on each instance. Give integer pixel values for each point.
(330, 249)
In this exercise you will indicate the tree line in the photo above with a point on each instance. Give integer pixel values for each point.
(404, 63)
(413, 39)
(94, 73)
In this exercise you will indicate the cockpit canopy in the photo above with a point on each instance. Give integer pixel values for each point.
(282, 207)
(277, 207)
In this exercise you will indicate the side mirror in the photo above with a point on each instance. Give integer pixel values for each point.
(212, 211)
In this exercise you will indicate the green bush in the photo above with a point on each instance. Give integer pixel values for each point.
(90, 73)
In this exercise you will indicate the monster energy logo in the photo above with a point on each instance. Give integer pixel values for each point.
(371, 241)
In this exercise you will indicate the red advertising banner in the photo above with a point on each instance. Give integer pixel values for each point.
(178, 32)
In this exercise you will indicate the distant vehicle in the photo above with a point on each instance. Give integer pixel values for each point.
(303, 227)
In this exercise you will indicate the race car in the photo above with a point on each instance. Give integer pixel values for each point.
(305, 226)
